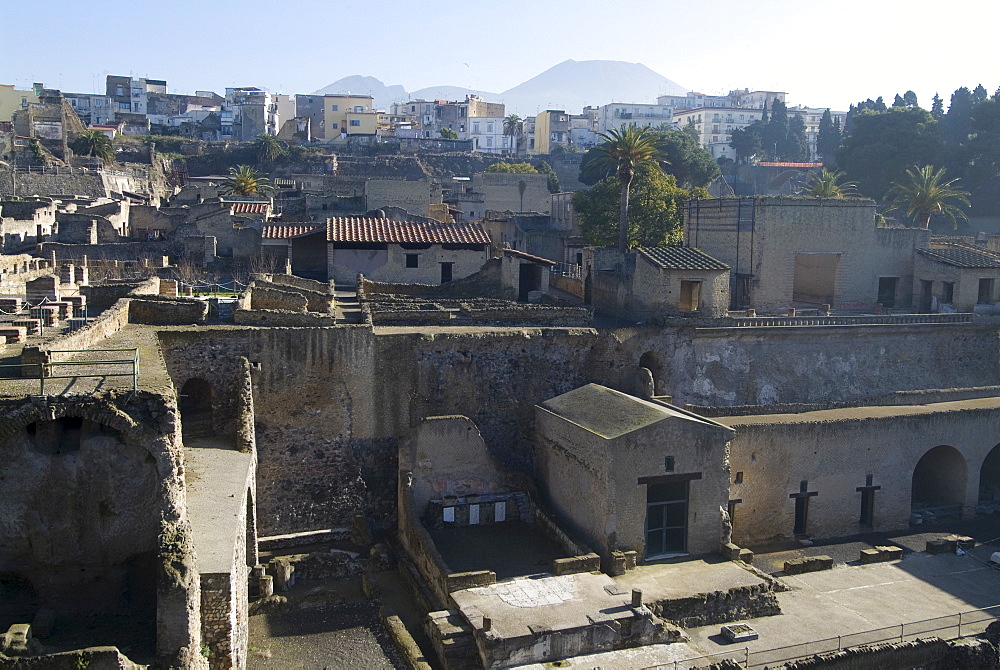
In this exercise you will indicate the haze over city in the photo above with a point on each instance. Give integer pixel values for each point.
(822, 55)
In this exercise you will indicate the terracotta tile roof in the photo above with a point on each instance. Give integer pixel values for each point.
(250, 208)
(356, 229)
(961, 258)
(283, 232)
(528, 257)
(682, 258)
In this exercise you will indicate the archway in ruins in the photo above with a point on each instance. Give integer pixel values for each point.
(939, 481)
(195, 405)
(989, 478)
(652, 362)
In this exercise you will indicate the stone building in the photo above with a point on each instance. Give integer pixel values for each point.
(806, 251)
(654, 477)
(650, 283)
(959, 277)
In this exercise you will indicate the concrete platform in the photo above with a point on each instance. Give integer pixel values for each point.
(683, 579)
(623, 659)
(854, 599)
(542, 619)
(217, 477)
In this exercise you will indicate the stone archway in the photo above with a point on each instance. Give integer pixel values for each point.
(938, 484)
(989, 478)
(196, 408)
(652, 362)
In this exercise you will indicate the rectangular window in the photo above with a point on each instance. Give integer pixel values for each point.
(355, 122)
(124, 105)
(412, 260)
(333, 108)
(948, 292)
(333, 125)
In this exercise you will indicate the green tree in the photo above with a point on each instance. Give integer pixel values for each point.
(244, 180)
(829, 137)
(448, 134)
(882, 145)
(625, 149)
(828, 184)
(898, 101)
(937, 107)
(552, 179)
(910, 99)
(684, 157)
(94, 143)
(512, 168)
(655, 215)
(983, 154)
(925, 193)
(268, 148)
(957, 123)
(795, 146)
(746, 142)
(512, 128)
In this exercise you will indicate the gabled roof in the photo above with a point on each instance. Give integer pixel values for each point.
(682, 258)
(961, 258)
(528, 257)
(611, 414)
(285, 231)
(357, 229)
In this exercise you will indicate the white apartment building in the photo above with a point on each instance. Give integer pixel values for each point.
(486, 133)
(715, 126)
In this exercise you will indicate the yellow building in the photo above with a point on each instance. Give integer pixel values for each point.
(350, 114)
(551, 129)
(13, 100)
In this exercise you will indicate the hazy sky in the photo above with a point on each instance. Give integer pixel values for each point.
(822, 54)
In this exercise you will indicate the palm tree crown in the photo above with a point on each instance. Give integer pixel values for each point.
(268, 148)
(828, 184)
(925, 193)
(94, 143)
(623, 150)
(245, 180)
(512, 127)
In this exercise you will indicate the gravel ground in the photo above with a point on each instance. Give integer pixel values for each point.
(347, 635)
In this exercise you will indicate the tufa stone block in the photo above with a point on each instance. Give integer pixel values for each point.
(798, 566)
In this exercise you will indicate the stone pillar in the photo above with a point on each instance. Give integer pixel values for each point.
(82, 274)
(66, 274)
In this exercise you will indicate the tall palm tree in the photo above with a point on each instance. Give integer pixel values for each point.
(268, 148)
(245, 180)
(512, 127)
(623, 150)
(828, 184)
(94, 143)
(926, 193)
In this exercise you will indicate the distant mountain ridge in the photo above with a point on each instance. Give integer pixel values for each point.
(569, 86)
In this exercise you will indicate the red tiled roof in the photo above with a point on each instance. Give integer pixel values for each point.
(249, 208)
(284, 232)
(787, 164)
(354, 229)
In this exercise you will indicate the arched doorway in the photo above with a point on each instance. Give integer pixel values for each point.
(938, 488)
(989, 480)
(195, 404)
(654, 364)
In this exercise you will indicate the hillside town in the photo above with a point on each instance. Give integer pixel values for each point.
(306, 381)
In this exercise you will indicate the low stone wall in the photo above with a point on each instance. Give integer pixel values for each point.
(703, 609)
(263, 297)
(317, 294)
(396, 310)
(298, 282)
(572, 285)
(166, 311)
(274, 317)
(90, 658)
(931, 654)
(122, 251)
(105, 295)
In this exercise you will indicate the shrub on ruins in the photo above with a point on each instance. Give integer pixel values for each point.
(512, 168)
(94, 143)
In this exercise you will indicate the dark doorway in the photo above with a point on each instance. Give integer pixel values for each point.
(652, 362)
(18, 600)
(195, 404)
(985, 291)
(666, 519)
(529, 279)
(740, 292)
(446, 269)
(867, 519)
(989, 478)
(887, 291)
(939, 480)
(926, 295)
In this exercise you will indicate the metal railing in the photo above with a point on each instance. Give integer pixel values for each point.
(567, 270)
(948, 627)
(45, 370)
(871, 320)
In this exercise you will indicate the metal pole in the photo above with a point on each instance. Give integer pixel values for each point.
(960, 624)
(901, 633)
(838, 644)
